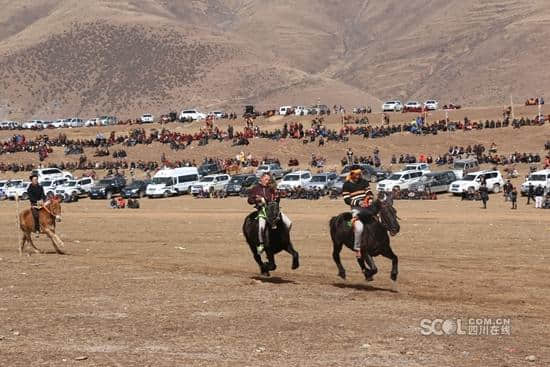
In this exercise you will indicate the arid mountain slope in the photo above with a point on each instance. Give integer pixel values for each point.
(71, 57)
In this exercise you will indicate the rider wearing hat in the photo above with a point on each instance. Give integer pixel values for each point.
(36, 196)
(359, 197)
(259, 196)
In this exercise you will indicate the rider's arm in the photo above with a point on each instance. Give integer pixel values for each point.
(346, 194)
(252, 196)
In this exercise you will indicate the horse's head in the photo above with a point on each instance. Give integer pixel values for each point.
(273, 214)
(53, 206)
(388, 216)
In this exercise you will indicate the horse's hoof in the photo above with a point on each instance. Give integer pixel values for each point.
(266, 273)
(369, 278)
(394, 286)
(342, 275)
(295, 265)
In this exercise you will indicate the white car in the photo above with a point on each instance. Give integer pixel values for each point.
(211, 183)
(69, 188)
(76, 122)
(59, 123)
(294, 179)
(34, 124)
(85, 184)
(413, 105)
(5, 125)
(392, 106)
(535, 179)
(301, 111)
(472, 182)
(217, 114)
(48, 187)
(18, 190)
(398, 180)
(191, 114)
(92, 122)
(272, 168)
(147, 118)
(422, 167)
(108, 120)
(431, 105)
(51, 174)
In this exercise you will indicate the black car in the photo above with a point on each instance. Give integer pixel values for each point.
(136, 189)
(107, 187)
(209, 169)
(240, 183)
(370, 173)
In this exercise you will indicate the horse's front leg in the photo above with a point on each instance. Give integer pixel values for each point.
(270, 260)
(369, 273)
(55, 240)
(295, 256)
(261, 264)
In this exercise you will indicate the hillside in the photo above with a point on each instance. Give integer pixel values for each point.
(67, 57)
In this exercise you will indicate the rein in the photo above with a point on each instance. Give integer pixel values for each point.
(48, 210)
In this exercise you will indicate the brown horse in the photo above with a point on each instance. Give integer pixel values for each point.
(48, 214)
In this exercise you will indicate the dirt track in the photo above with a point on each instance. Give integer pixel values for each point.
(175, 284)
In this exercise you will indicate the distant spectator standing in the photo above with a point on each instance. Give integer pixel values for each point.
(539, 194)
(514, 198)
(484, 193)
(349, 155)
(530, 193)
(507, 189)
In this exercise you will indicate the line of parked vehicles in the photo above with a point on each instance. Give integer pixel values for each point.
(59, 123)
(410, 106)
(464, 176)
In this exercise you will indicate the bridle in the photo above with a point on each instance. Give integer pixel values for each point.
(385, 220)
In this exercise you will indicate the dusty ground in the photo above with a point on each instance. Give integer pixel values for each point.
(175, 284)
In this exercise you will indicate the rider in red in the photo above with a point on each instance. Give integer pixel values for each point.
(259, 196)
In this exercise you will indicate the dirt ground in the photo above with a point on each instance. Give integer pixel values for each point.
(174, 284)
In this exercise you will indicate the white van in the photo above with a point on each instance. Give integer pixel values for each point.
(170, 182)
(285, 110)
(295, 179)
(541, 178)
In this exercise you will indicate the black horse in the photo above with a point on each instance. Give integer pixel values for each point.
(375, 239)
(277, 238)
